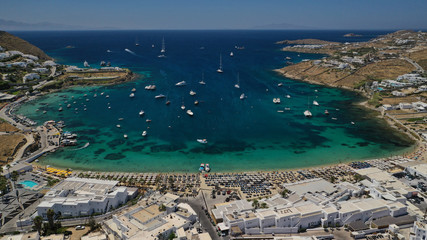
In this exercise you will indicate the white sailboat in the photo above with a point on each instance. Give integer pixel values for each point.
(315, 103)
(237, 85)
(163, 50)
(136, 42)
(307, 112)
(219, 70)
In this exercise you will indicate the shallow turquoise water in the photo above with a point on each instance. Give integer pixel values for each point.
(28, 184)
(242, 135)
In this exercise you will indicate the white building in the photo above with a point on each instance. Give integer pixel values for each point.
(148, 220)
(398, 94)
(29, 77)
(418, 231)
(405, 106)
(40, 70)
(49, 63)
(418, 170)
(387, 107)
(82, 197)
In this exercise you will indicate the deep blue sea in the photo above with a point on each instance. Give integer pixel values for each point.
(242, 135)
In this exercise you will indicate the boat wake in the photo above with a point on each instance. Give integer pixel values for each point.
(129, 51)
(85, 146)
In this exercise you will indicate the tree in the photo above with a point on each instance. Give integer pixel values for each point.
(264, 205)
(255, 204)
(38, 223)
(50, 218)
(172, 236)
(92, 223)
(162, 208)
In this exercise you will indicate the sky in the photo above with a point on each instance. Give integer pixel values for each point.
(220, 14)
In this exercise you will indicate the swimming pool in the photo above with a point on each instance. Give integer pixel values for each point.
(28, 184)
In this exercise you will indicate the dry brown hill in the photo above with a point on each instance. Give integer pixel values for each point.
(11, 42)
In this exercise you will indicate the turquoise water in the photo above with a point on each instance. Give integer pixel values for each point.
(242, 135)
(28, 184)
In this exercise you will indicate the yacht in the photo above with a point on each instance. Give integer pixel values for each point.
(133, 89)
(144, 133)
(183, 107)
(203, 141)
(192, 93)
(160, 96)
(182, 83)
(189, 112)
(231, 54)
(276, 100)
(118, 126)
(131, 95)
(207, 168)
(141, 113)
(315, 103)
(237, 85)
(86, 64)
(242, 96)
(308, 114)
(219, 70)
(150, 87)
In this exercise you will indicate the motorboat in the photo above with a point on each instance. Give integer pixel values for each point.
(121, 119)
(219, 70)
(237, 85)
(315, 103)
(60, 109)
(189, 112)
(192, 93)
(207, 168)
(280, 84)
(160, 96)
(168, 102)
(203, 141)
(202, 82)
(307, 114)
(85, 64)
(288, 96)
(144, 133)
(150, 87)
(196, 102)
(326, 112)
(118, 126)
(288, 58)
(182, 83)
(125, 135)
(131, 95)
(276, 100)
(202, 167)
(148, 120)
(242, 96)
(183, 107)
(133, 89)
(231, 54)
(141, 113)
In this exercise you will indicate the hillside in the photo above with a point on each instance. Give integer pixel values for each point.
(11, 42)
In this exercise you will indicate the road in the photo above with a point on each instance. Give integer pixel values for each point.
(197, 203)
(416, 65)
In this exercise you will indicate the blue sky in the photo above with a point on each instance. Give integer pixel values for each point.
(220, 14)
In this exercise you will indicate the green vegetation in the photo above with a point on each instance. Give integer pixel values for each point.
(375, 100)
(162, 208)
(255, 204)
(3, 185)
(415, 119)
(51, 181)
(52, 226)
(359, 84)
